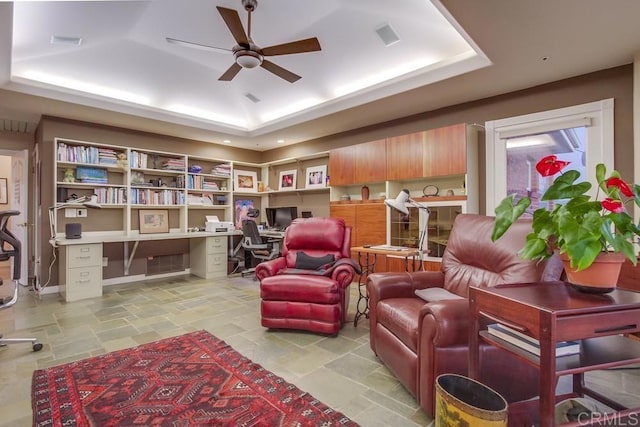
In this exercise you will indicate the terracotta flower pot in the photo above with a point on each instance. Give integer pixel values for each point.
(599, 277)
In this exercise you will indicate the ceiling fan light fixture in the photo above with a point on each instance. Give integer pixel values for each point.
(248, 58)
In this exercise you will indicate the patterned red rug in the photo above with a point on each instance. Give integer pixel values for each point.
(190, 380)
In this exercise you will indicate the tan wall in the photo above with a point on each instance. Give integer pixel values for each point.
(614, 83)
(5, 172)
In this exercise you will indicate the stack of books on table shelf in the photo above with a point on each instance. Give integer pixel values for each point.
(525, 342)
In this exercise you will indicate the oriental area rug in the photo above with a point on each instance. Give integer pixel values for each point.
(194, 379)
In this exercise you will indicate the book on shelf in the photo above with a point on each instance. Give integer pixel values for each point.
(530, 344)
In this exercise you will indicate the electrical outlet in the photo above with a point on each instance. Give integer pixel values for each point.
(105, 261)
(69, 213)
(81, 213)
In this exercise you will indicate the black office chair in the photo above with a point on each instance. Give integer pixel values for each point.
(258, 249)
(6, 253)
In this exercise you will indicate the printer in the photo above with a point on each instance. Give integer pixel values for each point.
(213, 224)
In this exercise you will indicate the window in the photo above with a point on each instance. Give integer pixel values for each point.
(581, 134)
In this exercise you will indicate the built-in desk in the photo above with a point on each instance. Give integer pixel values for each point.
(80, 272)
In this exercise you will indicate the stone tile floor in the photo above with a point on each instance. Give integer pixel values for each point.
(340, 371)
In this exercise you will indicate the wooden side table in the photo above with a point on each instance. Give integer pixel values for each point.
(551, 312)
(366, 256)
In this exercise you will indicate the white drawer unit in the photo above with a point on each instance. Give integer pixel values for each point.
(208, 256)
(80, 274)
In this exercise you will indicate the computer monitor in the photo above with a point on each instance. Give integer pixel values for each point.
(281, 217)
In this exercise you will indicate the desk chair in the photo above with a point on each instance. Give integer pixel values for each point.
(257, 248)
(6, 237)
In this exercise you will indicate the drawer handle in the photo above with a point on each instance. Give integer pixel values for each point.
(85, 249)
(84, 257)
(83, 281)
(615, 329)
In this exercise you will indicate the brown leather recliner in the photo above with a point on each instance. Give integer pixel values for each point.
(307, 287)
(419, 340)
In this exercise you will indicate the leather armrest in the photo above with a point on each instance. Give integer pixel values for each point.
(402, 285)
(446, 323)
(270, 267)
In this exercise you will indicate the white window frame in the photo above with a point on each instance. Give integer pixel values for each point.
(596, 116)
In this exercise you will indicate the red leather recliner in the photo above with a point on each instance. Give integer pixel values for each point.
(419, 340)
(307, 287)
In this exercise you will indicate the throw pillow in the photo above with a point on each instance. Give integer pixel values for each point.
(436, 294)
(308, 262)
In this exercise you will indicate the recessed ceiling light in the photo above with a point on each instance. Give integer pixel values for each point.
(71, 41)
(280, 141)
(387, 35)
(227, 141)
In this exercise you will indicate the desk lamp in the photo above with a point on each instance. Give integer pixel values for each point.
(84, 201)
(400, 204)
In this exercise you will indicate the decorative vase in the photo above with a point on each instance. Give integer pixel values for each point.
(364, 192)
(600, 277)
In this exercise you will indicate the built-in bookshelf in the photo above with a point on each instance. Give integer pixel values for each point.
(192, 188)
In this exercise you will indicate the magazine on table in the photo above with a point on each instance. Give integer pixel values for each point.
(517, 338)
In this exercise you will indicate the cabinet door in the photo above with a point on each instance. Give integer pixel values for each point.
(370, 162)
(341, 166)
(347, 213)
(405, 156)
(445, 151)
(371, 226)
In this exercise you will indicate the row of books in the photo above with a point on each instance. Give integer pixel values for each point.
(200, 183)
(143, 196)
(111, 195)
(86, 154)
(525, 342)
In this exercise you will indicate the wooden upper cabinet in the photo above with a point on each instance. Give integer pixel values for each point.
(405, 156)
(370, 162)
(445, 151)
(342, 166)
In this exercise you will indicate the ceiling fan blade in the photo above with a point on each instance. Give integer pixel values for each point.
(232, 19)
(197, 45)
(230, 73)
(279, 71)
(300, 46)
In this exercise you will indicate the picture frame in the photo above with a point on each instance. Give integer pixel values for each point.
(154, 221)
(316, 177)
(4, 198)
(245, 181)
(287, 180)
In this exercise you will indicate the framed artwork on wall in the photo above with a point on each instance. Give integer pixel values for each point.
(245, 181)
(316, 177)
(4, 199)
(154, 221)
(287, 180)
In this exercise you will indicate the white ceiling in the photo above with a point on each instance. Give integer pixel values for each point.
(449, 52)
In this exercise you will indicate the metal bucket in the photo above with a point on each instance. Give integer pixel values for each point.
(462, 401)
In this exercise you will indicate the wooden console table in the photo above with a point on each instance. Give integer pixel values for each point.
(366, 256)
(551, 312)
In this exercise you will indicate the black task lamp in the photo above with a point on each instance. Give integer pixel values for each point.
(400, 204)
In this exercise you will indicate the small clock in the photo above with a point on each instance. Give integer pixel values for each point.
(430, 190)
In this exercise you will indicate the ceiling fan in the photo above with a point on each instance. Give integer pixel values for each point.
(246, 53)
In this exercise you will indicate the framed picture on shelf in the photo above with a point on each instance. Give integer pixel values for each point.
(316, 177)
(287, 180)
(154, 221)
(245, 181)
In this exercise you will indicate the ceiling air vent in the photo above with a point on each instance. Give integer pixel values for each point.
(70, 41)
(387, 35)
(252, 98)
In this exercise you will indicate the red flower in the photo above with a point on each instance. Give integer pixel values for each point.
(550, 165)
(611, 205)
(621, 185)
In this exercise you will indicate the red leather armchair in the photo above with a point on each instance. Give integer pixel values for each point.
(307, 287)
(419, 340)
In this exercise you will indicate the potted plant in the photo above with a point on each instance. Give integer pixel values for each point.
(579, 228)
